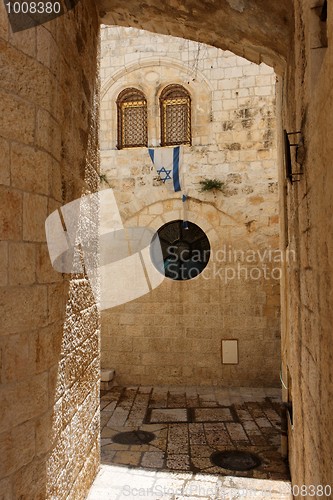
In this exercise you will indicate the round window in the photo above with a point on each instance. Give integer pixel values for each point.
(185, 250)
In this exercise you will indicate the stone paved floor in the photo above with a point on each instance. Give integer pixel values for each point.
(189, 424)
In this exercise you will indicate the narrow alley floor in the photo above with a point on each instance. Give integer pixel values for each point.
(161, 442)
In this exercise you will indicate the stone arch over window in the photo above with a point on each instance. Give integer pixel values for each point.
(132, 119)
(175, 106)
(169, 70)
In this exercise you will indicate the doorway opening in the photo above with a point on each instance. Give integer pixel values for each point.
(175, 340)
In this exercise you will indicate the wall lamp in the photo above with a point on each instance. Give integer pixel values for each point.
(291, 175)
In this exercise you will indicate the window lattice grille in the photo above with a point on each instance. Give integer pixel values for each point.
(175, 116)
(132, 119)
(185, 252)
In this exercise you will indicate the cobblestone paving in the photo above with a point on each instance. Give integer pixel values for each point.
(189, 424)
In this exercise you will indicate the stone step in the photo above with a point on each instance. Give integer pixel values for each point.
(107, 376)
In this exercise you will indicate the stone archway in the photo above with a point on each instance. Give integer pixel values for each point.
(260, 31)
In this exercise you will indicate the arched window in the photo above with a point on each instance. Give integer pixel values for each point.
(175, 103)
(132, 119)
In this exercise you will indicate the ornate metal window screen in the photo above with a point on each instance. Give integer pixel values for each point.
(185, 252)
(132, 119)
(175, 104)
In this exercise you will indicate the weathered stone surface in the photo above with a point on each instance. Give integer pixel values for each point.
(46, 430)
(26, 299)
(44, 270)
(17, 120)
(47, 346)
(307, 285)
(180, 445)
(34, 216)
(3, 263)
(30, 169)
(6, 489)
(48, 134)
(49, 155)
(26, 407)
(10, 203)
(86, 475)
(14, 66)
(57, 297)
(261, 29)
(19, 447)
(32, 479)
(181, 336)
(3, 23)
(20, 357)
(22, 263)
(24, 41)
(5, 164)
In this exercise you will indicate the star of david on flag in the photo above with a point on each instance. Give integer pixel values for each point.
(164, 174)
(167, 164)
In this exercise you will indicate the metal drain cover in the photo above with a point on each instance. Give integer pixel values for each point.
(133, 437)
(235, 460)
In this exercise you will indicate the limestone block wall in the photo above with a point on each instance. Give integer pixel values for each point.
(307, 292)
(173, 335)
(257, 31)
(49, 338)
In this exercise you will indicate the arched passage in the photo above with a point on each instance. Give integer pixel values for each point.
(258, 30)
(48, 98)
(289, 36)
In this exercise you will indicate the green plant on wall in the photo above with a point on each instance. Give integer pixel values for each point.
(103, 178)
(211, 185)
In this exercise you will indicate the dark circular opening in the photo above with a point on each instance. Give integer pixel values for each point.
(133, 437)
(185, 250)
(235, 460)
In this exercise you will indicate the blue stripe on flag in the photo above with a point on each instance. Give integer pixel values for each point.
(151, 154)
(175, 170)
(185, 223)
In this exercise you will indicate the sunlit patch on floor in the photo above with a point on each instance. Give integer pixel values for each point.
(120, 483)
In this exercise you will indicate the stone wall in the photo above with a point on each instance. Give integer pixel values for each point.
(173, 335)
(49, 340)
(307, 291)
(259, 30)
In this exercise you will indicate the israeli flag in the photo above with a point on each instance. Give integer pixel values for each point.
(167, 164)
